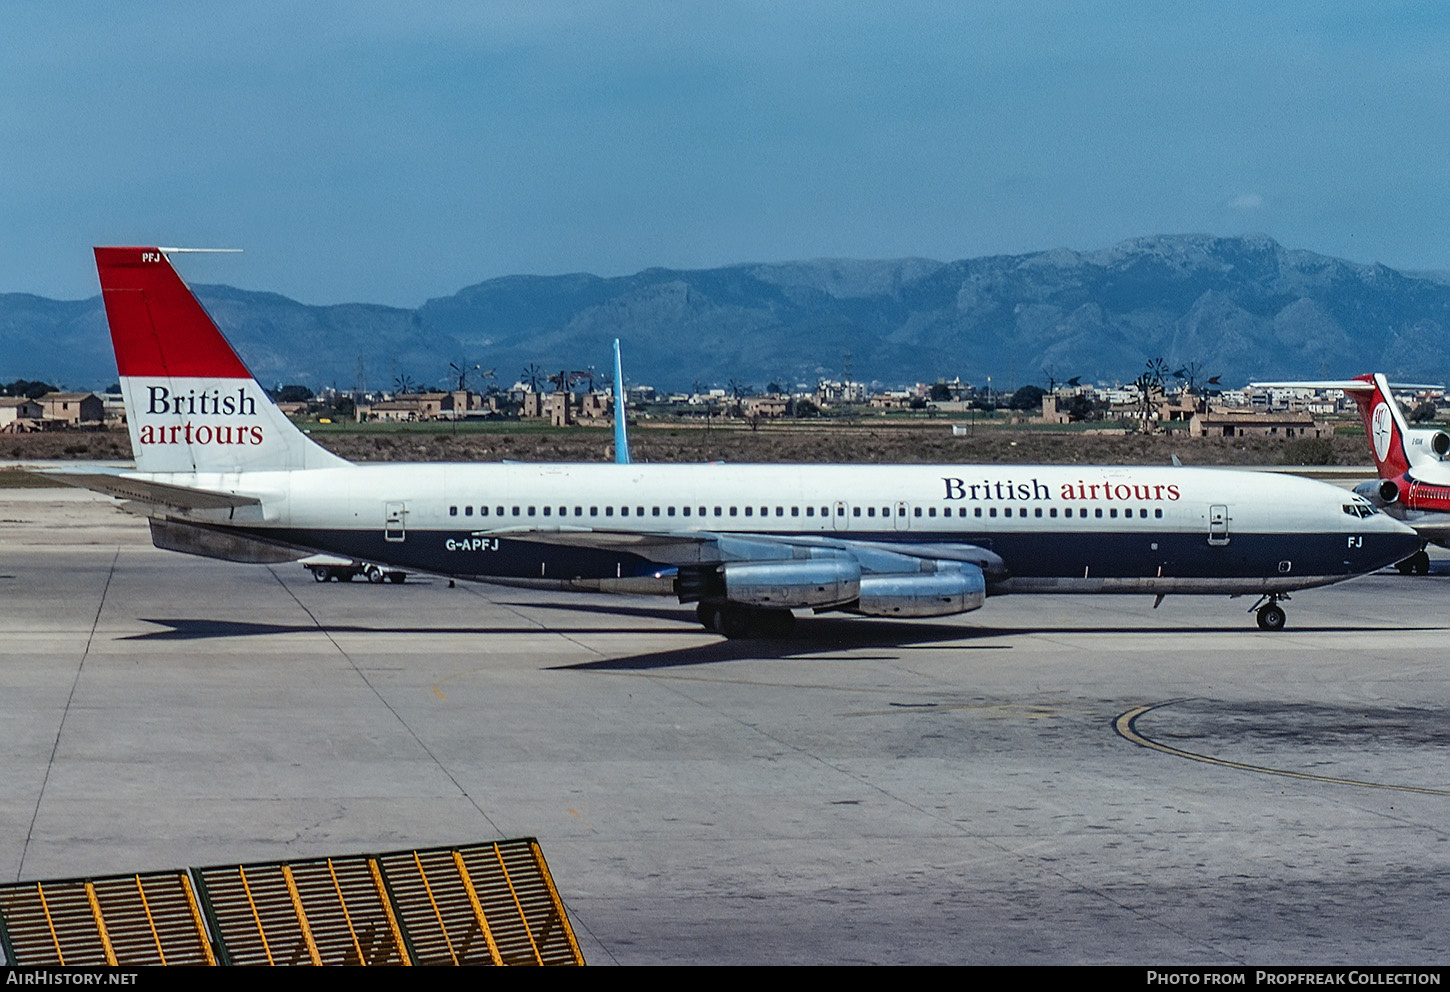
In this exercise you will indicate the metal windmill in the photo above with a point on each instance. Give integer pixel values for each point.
(462, 370)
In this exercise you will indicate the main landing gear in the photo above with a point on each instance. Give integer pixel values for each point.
(1270, 614)
(733, 620)
(1417, 564)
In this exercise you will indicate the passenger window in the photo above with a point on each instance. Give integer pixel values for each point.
(780, 511)
(531, 511)
(578, 511)
(1158, 513)
(1037, 511)
(547, 509)
(1113, 512)
(655, 511)
(483, 511)
(931, 512)
(855, 511)
(747, 511)
(1098, 513)
(669, 511)
(594, 511)
(453, 511)
(468, 511)
(609, 511)
(810, 511)
(915, 513)
(979, 511)
(624, 511)
(992, 512)
(685, 511)
(1052, 512)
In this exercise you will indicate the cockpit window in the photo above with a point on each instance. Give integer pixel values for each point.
(1359, 509)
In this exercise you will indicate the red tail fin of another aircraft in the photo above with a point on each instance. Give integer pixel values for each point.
(1384, 425)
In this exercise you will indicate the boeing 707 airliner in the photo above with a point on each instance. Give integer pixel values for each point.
(220, 471)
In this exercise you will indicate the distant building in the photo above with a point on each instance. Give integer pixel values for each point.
(72, 408)
(765, 407)
(1256, 423)
(1052, 409)
(18, 414)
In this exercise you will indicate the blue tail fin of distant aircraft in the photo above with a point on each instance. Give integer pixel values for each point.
(621, 430)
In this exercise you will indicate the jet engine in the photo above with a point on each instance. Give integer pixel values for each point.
(953, 588)
(792, 583)
(1380, 492)
(1434, 441)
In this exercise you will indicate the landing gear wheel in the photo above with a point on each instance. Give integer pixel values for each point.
(734, 621)
(1271, 617)
(1421, 561)
(375, 574)
(709, 616)
(319, 574)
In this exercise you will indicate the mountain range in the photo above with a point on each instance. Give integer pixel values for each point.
(1239, 307)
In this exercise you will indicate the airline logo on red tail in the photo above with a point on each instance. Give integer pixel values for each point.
(1382, 430)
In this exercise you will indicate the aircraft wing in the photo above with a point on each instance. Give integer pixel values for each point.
(116, 483)
(714, 547)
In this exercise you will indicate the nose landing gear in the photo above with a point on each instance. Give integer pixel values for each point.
(1417, 564)
(1270, 614)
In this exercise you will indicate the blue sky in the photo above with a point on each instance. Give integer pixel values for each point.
(391, 153)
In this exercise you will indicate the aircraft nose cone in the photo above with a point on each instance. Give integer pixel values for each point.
(1385, 548)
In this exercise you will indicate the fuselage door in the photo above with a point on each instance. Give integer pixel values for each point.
(1218, 525)
(841, 516)
(903, 517)
(394, 528)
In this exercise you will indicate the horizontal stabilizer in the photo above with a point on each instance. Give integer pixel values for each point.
(1348, 385)
(146, 491)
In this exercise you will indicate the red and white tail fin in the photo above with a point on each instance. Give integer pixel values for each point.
(1384, 425)
(191, 404)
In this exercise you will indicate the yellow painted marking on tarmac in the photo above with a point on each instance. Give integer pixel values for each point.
(439, 694)
(1124, 725)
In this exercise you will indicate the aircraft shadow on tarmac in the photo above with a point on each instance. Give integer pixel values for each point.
(814, 638)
